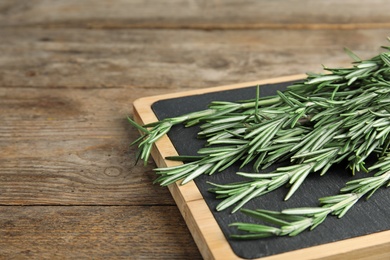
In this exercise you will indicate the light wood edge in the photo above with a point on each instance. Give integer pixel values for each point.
(204, 228)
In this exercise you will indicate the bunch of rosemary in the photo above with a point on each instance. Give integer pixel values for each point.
(342, 115)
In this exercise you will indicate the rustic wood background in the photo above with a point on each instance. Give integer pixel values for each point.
(69, 72)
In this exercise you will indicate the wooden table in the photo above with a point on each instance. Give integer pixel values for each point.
(69, 72)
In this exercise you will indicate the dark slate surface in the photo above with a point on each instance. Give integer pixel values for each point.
(365, 217)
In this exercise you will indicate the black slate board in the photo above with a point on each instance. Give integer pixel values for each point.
(366, 217)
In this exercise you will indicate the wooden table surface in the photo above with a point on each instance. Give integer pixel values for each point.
(69, 73)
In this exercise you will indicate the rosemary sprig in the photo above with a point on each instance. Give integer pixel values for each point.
(291, 222)
(342, 115)
(154, 131)
(353, 136)
(238, 122)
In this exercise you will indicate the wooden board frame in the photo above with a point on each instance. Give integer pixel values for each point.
(204, 228)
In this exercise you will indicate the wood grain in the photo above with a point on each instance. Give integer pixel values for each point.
(71, 148)
(69, 73)
(203, 14)
(92, 232)
(162, 61)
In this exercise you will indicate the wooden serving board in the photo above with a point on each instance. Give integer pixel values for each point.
(208, 227)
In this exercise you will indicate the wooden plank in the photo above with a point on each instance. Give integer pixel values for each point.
(162, 61)
(204, 228)
(79, 232)
(71, 147)
(182, 14)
